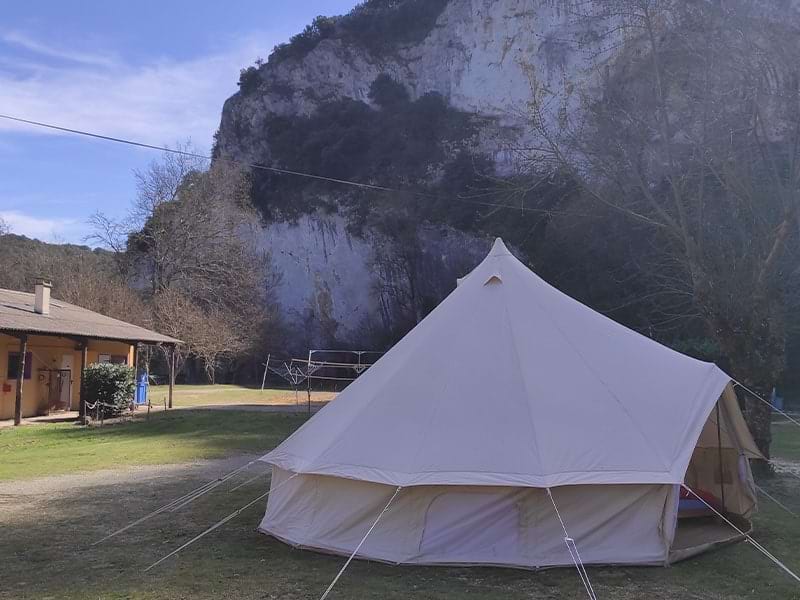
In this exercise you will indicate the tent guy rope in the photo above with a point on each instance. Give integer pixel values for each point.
(746, 536)
(209, 488)
(361, 543)
(174, 502)
(767, 402)
(776, 501)
(573, 552)
(220, 523)
(248, 481)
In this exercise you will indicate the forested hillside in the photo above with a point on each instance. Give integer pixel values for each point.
(79, 274)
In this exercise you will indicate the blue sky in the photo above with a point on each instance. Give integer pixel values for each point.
(153, 71)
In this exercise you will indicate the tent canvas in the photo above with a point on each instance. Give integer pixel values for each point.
(509, 387)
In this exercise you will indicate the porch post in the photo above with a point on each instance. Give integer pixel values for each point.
(23, 349)
(171, 372)
(135, 374)
(84, 348)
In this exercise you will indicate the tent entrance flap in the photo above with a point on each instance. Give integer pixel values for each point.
(719, 468)
(695, 536)
(720, 473)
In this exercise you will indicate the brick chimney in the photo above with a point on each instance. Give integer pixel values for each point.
(41, 303)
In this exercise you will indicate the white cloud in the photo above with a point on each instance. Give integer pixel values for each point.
(162, 102)
(19, 39)
(45, 229)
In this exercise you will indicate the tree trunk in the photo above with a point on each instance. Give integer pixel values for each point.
(759, 418)
(752, 335)
(755, 372)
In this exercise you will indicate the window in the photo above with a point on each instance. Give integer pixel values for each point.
(117, 359)
(13, 365)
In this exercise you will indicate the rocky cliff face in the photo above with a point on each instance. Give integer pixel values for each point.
(483, 57)
(337, 288)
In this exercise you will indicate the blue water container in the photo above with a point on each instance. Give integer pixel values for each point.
(141, 390)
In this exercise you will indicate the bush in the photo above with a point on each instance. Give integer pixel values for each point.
(380, 25)
(109, 384)
(304, 42)
(377, 25)
(401, 142)
(249, 79)
(386, 92)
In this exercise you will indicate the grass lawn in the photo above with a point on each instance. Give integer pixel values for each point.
(180, 436)
(172, 437)
(204, 395)
(786, 441)
(46, 552)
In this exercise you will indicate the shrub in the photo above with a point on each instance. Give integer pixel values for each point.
(378, 25)
(402, 143)
(109, 384)
(386, 92)
(304, 42)
(249, 79)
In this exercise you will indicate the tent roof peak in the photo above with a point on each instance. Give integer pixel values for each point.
(499, 248)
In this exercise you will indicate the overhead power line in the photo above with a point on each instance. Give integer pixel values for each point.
(259, 166)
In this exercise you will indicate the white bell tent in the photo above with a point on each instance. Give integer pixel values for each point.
(508, 392)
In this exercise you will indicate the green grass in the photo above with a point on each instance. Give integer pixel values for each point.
(204, 395)
(46, 549)
(786, 441)
(172, 437)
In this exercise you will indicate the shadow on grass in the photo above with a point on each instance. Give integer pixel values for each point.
(45, 546)
(46, 551)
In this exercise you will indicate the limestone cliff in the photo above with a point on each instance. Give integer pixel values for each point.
(346, 284)
(481, 55)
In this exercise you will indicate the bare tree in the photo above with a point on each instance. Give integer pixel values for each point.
(157, 185)
(5, 228)
(695, 133)
(209, 333)
(188, 243)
